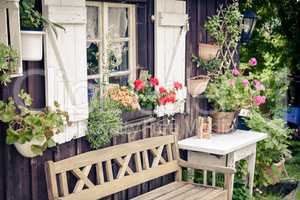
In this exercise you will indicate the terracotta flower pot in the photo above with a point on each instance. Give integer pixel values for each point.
(275, 171)
(207, 51)
(197, 85)
(224, 122)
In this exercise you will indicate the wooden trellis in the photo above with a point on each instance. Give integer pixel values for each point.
(228, 52)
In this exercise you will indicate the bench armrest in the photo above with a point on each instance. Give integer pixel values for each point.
(225, 170)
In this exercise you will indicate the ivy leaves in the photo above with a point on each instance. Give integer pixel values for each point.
(104, 122)
(225, 24)
(25, 125)
(8, 63)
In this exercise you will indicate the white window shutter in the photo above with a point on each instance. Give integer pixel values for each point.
(65, 63)
(171, 26)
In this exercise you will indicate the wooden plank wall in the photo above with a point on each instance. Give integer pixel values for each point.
(24, 179)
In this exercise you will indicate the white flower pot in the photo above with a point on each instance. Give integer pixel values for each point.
(32, 45)
(25, 149)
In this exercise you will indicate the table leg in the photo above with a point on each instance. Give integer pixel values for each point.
(231, 164)
(251, 170)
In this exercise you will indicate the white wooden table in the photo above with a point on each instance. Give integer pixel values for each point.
(224, 150)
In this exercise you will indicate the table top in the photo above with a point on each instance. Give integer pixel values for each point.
(222, 144)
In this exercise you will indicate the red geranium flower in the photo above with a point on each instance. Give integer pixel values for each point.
(172, 97)
(163, 100)
(162, 90)
(154, 81)
(177, 85)
(139, 85)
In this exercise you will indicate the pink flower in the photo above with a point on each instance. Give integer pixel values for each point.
(258, 85)
(253, 62)
(231, 82)
(245, 82)
(154, 81)
(177, 85)
(235, 72)
(259, 100)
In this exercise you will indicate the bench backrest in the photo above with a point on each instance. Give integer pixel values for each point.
(146, 163)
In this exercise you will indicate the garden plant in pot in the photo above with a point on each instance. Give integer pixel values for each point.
(213, 59)
(8, 63)
(146, 90)
(104, 121)
(31, 131)
(32, 25)
(126, 99)
(271, 152)
(228, 94)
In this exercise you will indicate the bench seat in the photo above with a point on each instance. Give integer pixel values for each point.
(184, 191)
(97, 174)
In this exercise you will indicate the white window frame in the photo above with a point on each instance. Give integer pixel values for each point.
(103, 27)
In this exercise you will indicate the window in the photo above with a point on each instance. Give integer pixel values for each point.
(111, 35)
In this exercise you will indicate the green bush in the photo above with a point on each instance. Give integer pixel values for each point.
(104, 122)
(272, 149)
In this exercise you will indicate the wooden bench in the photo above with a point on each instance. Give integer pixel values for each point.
(164, 160)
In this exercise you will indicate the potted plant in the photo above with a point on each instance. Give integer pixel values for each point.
(145, 88)
(125, 98)
(32, 25)
(8, 63)
(170, 100)
(198, 84)
(31, 131)
(208, 51)
(271, 152)
(228, 94)
(104, 122)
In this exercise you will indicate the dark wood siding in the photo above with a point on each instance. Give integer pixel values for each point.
(24, 179)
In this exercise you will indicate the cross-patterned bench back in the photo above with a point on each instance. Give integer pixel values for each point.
(111, 169)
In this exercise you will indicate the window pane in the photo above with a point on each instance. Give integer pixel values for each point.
(118, 22)
(121, 80)
(118, 57)
(93, 88)
(92, 58)
(92, 22)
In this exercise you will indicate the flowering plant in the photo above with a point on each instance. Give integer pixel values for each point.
(233, 91)
(145, 89)
(170, 99)
(127, 100)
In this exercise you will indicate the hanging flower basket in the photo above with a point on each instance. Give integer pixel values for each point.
(197, 85)
(207, 51)
(32, 45)
(224, 122)
(26, 148)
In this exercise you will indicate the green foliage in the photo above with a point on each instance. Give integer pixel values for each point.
(219, 27)
(104, 122)
(228, 93)
(148, 96)
(210, 65)
(276, 84)
(240, 191)
(31, 19)
(272, 149)
(25, 125)
(276, 38)
(8, 63)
